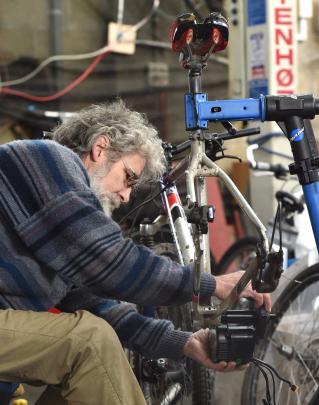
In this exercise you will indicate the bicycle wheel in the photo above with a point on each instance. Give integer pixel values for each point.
(185, 382)
(199, 380)
(291, 345)
(234, 257)
(203, 385)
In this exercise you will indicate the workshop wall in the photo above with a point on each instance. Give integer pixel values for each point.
(29, 36)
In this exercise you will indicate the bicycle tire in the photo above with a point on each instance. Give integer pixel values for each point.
(203, 385)
(297, 305)
(198, 382)
(236, 254)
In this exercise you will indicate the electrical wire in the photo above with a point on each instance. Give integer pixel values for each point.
(264, 368)
(120, 11)
(140, 206)
(292, 386)
(145, 20)
(52, 59)
(269, 369)
(89, 55)
(266, 401)
(60, 93)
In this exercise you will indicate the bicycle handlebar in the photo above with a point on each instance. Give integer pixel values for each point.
(175, 149)
(278, 169)
(225, 136)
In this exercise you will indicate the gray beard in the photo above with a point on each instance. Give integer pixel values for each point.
(109, 201)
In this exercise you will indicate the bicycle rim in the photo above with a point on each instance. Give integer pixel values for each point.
(236, 255)
(291, 346)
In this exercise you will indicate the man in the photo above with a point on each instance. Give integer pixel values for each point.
(59, 246)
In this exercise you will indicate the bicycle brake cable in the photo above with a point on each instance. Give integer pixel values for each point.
(278, 218)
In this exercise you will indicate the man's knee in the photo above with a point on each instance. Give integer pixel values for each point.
(93, 330)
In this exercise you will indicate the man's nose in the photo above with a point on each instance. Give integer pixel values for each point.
(125, 194)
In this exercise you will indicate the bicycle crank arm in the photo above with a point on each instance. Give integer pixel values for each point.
(212, 313)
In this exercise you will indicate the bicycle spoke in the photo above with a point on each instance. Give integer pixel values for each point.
(298, 331)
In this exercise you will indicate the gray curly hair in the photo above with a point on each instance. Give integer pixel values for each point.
(128, 131)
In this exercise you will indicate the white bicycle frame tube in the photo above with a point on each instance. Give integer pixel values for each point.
(199, 168)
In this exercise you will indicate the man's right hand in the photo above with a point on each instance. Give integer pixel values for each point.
(201, 347)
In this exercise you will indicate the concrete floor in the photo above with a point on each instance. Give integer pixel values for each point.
(228, 388)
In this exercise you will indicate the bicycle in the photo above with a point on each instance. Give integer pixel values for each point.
(162, 380)
(293, 114)
(292, 300)
(189, 241)
(292, 351)
(195, 42)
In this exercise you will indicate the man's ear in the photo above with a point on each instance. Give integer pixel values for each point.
(99, 147)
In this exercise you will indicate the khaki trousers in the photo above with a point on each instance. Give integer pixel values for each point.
(78, 353)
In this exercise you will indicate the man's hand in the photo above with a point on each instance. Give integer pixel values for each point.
(201, 347)
(226, 282)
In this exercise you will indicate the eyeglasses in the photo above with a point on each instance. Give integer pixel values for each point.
(131, 177)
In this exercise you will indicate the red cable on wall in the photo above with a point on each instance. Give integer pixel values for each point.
(52, 97)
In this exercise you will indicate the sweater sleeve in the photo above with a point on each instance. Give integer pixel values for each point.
(153, 338)
(63, 226)
(74, 238)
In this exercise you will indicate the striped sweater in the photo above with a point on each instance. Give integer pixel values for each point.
(58, 246)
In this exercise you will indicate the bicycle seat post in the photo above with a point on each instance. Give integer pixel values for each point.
(195, 74)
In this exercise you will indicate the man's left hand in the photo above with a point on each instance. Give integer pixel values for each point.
(226, 282)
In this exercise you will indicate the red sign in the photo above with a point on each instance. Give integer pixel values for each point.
(285, 80)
